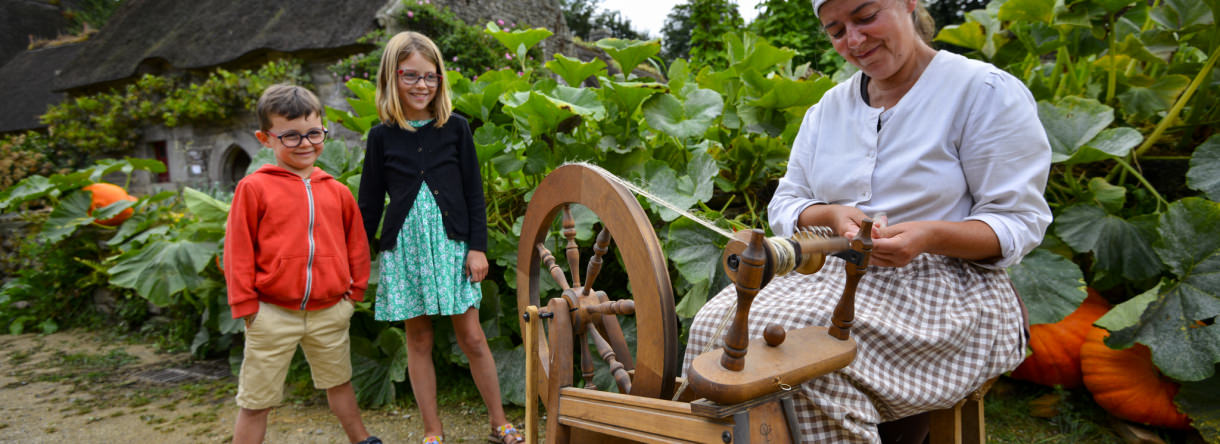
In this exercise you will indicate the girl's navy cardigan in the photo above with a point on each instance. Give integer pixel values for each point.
(397, 161)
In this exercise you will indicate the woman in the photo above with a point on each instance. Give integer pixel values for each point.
(951, 150)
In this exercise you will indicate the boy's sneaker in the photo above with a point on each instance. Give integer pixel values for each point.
(370, 440)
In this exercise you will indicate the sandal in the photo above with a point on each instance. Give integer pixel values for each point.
(506, 434)
(434, 439)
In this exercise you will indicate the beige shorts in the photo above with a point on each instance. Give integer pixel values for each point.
(272, 340)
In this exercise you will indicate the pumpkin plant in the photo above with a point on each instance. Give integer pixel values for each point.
(1127, 384)
(1056, 347)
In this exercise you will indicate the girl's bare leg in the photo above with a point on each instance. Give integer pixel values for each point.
(422, 372)
(482, 365)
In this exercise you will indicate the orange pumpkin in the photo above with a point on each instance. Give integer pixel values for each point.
(105, 194)
(1056, 347)
(1127, 384)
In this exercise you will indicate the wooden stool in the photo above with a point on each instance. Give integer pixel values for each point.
(962, 423)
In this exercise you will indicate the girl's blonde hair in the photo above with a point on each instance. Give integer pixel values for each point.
(389, 103)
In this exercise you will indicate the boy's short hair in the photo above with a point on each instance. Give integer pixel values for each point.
(290, 101)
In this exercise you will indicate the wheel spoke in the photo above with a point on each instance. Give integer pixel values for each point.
(621, 378)
(595, 263)
(572, 250)
(548, 261)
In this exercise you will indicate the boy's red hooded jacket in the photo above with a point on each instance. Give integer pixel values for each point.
(293, 242)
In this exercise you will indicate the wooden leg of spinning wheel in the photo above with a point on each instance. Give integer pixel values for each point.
(560, 371)
(531, 374)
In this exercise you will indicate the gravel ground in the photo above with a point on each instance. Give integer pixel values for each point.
(78, 387)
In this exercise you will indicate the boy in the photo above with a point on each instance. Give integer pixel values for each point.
(295, 258)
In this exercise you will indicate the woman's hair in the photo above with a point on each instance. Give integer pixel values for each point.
(389, 102)
(925, 25)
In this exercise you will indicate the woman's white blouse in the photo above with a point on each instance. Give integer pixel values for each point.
(964, 143)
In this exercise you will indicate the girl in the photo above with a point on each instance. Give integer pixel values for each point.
(434, 234)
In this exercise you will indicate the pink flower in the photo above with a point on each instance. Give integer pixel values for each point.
(455, 58)
(410, 14)
(457, 68)
(500, 22)
(519, 73)
(508, 56)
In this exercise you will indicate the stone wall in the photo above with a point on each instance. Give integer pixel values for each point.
(532, 13)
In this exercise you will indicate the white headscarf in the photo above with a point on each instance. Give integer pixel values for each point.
(817, 4)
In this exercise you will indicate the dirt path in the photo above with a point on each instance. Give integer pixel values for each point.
(78, 387)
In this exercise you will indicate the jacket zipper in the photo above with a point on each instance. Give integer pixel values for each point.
(309, 266)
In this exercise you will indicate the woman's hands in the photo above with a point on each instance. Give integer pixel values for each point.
(844, 220)
(476, 265)
(896, 245)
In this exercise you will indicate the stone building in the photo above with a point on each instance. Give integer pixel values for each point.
(197, 37)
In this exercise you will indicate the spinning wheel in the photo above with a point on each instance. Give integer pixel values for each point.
(652, 371)
(738, 398)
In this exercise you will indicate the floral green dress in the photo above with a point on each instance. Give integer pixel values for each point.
(425, 273)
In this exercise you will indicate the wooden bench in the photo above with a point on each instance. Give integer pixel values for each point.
(962, 423)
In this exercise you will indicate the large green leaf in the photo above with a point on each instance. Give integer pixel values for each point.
(1028, 11)
(1129, 312)
(693, 249)
(510, 367)
(1117, 244)
(1181, 347)
(71, 213)
(1135, 48)
(629, 95)
(781, 93)
(582, 101)
(489, 141)
(1071, 123)
(1204, 174)
(482, 95)
(752, 52)
(573, 71)
(684, 190)
(518, 41)
(967, 35)
(629, 53)
(1051, 285)
(535, 113)
(665, 113)
(679, 76)
(1180, 15)
(1111, 143)
(30, 188)
(206, 208)
(1147, 99)
(162, 269)
(1110, 197)
(1201, 402)
(694, 299)
(377, 366)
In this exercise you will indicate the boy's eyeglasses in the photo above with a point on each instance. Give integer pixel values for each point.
(410, 78)
(294, 139)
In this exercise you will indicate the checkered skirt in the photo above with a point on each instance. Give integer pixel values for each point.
(928, 333)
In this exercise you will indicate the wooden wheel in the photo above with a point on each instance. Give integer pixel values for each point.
(653, 369)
